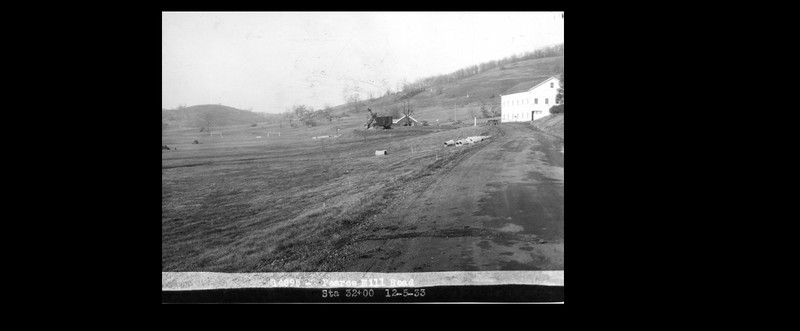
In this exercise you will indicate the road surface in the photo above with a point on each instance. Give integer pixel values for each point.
(500, 208)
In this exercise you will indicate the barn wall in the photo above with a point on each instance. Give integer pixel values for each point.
(517, 107)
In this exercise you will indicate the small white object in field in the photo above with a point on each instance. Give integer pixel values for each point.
(258, 137)
(383, 152)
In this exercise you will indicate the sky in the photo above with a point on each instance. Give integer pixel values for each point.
(270, 61)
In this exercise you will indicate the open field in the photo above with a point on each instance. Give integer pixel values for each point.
(237, 203)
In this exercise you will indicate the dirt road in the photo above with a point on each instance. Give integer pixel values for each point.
(500, 208)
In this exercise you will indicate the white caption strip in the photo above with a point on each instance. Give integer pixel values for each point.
(183, 281)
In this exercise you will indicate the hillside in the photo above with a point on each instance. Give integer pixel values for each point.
(462, 98)
(208, 116)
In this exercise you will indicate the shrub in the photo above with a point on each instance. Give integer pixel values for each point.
(557, 109)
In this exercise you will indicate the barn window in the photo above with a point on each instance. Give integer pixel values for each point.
(536, 101)
(551, 84)
(545, 101)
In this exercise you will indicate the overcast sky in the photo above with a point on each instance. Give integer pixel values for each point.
(270, 61)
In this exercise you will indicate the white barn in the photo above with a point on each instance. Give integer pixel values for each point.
(529, 100)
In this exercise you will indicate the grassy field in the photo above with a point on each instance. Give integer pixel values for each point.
(239, 203)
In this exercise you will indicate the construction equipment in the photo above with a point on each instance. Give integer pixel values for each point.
(372, 117)
(375, 121)
(384, 121)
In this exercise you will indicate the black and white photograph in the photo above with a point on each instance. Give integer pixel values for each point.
(362, 157)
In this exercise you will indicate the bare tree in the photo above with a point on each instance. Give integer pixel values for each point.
(560, 95)
(326, 112)
(209, 118)
(354, 100)
(485, 109)
(305, 114)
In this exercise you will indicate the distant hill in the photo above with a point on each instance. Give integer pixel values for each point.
(465, 96)
(208, 116)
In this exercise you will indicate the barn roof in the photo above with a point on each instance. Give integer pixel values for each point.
(404, 116)
(527, 86)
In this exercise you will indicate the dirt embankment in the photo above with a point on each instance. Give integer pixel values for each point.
(552, 124)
